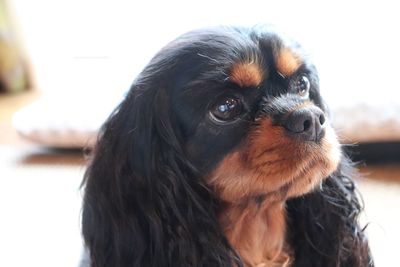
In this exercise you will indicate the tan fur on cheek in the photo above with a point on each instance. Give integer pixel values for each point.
(258, 167)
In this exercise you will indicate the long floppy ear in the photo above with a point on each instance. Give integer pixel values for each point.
(323, 225)
(144, 204)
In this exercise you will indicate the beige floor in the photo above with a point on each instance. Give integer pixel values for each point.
(40, 208)
(40, 202)
(381, 193)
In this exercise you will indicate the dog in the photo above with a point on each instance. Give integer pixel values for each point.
(222, 154)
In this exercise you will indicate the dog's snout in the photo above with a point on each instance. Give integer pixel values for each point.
(306, 124)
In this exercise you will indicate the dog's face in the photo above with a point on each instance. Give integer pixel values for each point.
(250, 113)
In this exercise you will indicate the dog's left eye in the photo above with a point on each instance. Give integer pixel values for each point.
(302, 85)
(226, 109)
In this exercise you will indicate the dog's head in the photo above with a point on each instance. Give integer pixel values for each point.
(218, 116)
(246, 108)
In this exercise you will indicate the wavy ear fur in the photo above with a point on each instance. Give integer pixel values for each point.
(324, 224)
(144, 204)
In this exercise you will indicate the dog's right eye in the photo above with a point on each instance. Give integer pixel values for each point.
(226, 109)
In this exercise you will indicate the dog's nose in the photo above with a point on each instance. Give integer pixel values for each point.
(307, 124)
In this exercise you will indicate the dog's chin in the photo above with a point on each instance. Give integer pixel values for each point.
(275, 170)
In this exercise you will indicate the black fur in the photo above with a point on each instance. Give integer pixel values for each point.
(146, 203)
(324, 229)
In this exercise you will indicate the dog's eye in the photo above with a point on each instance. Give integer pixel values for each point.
(302, 85)
(226, 109)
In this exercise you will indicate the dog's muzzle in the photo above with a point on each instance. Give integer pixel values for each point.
(301, 119)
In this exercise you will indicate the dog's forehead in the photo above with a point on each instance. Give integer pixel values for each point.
(251, 73)
(245, 57)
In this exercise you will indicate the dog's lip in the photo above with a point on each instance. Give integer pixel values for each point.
(281, 193)
(296, 136)
(302, 148)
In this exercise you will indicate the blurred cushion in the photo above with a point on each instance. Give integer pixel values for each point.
(65, 121)
(364, 121)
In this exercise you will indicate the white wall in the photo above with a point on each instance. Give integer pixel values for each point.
(86, 45)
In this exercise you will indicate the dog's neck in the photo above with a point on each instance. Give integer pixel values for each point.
(256, 230)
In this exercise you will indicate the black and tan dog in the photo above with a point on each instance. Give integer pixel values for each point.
(222, 155)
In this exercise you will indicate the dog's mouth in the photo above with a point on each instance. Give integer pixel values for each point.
(272, 163)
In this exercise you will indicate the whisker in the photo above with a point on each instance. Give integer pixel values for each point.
(268, 163)
(207, 57)
(267, 150)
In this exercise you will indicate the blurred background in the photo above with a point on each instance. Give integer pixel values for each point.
(64, 65)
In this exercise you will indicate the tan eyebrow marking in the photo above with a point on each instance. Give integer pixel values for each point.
(287, 62)
(246, 74)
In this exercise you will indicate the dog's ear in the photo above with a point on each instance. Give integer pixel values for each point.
(323, 225)
(144, 204)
